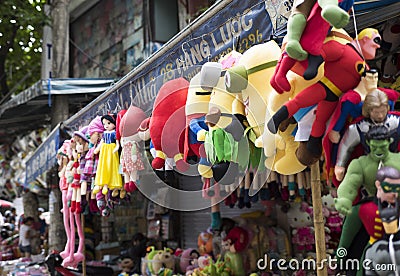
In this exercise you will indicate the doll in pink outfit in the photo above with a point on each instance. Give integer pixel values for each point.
(131, 157)
(95, 131)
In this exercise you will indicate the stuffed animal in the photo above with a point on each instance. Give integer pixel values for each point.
(224, 110)
(308, 26)
(107, 173)
(205, 243)
(195, 110)
(163, 260)
(188, 260)
(343, 68)
(168, 123)
(300, 220)
(248, 78)
(131, 156)
(237, 239)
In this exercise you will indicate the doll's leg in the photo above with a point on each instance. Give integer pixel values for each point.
(247, 183)
(104, 190)
(296, 24)
(70, 258)
(314, 144)
(66, 214)
(292, 187)
(279, 81)
(215, 214)
(332, 13)
(126, 181)
(264, 191)
(79, 255)
(73, 200)
(133, 180)
(300, 185)
(256, 185)
(308, 97)
(285, 188)
(78, 200)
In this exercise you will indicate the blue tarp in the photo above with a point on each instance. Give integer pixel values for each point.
(44, 158)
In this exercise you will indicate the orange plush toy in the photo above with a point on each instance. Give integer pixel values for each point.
(168, 123)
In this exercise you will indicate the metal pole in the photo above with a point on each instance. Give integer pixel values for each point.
(318, 220)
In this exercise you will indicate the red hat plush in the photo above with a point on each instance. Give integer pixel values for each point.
(238, 237)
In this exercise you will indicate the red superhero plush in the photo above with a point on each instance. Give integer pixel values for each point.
(308, 26)
(168, 123)
(344, 65)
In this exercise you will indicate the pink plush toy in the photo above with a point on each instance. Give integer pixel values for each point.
(168, 123)
(131, 156)
(300, 220)
(63, 157)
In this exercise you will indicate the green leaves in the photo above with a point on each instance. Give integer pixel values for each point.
(21, 28)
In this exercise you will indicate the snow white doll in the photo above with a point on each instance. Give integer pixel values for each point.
(107, 174)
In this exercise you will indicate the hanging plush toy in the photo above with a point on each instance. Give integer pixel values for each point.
(80, 179)
(353, 144)
(385, 251)
(63, 157)
(344, 65)
(95, 132)
(362, 172)
(348, 110)
(107, 176)
(131, 156)
(308, 26)
(168, 123)
(224, 119)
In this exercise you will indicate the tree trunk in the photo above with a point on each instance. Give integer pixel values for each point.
(60, 112)
(31, 205)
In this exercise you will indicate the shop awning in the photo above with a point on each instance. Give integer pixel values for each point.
(30, 109)
(207, 38)
(373, 12)
(44, 157)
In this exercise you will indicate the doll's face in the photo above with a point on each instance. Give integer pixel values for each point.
(378, 114)
(108, 125)
(383, 194)
(369, 45)
(94, 138)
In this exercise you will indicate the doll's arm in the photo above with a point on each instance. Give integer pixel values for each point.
(349, 141)
(117, 145)
(348, 189)
(97, 150)
(134, 152)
